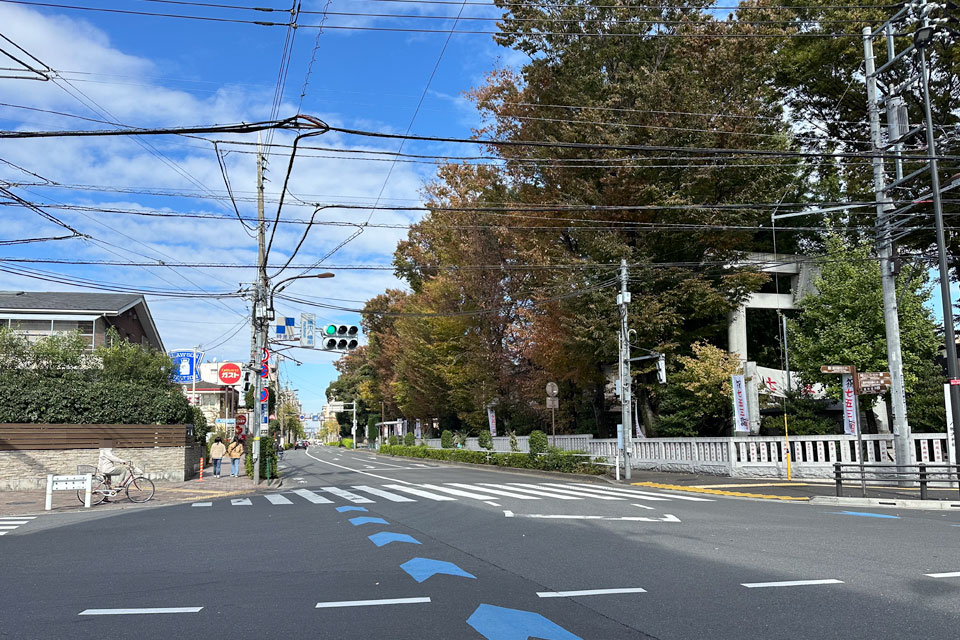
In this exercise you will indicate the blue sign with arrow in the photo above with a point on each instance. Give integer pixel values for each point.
(500, 623)
(422, 568)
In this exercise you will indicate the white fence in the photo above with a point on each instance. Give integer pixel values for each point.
(753, 456)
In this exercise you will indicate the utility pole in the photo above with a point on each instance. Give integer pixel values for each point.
(901, 429)
(260, 320)
(623, 302)
(953, 367)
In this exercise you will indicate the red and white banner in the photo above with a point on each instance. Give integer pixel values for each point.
(741, 417)
(492, 419)
(851, 419)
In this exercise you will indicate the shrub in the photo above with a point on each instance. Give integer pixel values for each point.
(514, 445)
(446, 439)
(393, 440)
(538, 442)
(553, 460)
(486, 440)
(409, 440)
(268, 458)
(347, 442)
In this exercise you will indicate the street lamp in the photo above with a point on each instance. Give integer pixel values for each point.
(280, 286)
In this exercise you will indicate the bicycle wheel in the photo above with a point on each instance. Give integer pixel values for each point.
(140, 489)
(97, 494)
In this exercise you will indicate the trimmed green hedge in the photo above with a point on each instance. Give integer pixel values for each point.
(552, 460)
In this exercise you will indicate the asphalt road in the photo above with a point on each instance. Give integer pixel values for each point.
(447, 552)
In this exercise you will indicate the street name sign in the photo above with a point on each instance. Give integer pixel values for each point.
(837, 368)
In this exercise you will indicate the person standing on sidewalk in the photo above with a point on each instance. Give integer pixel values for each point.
(217, 451)
(235, 452)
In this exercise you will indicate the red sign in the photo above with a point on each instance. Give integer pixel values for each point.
(241, 420)
(229, 373)
(954, 382)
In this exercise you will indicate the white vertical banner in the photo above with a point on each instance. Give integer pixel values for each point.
(851, 421)
(741, 418)
(416, 429)
(492, 419)
(308, 330)
(951, 445)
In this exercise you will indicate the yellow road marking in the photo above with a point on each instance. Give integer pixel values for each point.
(718, 492)
(758, 484)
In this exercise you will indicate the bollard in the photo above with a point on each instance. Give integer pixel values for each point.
(838, 476)
(201, 469)
(923, 481)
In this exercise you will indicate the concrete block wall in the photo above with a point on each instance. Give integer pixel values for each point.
(27, 470)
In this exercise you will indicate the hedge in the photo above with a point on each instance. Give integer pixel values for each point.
(552, 460)
(77, 401)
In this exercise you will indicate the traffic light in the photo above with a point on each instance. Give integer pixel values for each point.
(340, 337)
(662, 369)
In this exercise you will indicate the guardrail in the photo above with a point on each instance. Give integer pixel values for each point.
(894, 474)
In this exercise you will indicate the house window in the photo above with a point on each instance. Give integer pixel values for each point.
(36, 329)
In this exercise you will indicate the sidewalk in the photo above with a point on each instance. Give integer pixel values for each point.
(775, 488)
(19, 503)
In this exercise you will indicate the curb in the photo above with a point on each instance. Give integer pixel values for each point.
(492, 467)
(927, 505)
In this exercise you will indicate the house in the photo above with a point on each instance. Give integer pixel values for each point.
(43, 313)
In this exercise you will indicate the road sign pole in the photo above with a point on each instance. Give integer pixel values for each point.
(553, 425)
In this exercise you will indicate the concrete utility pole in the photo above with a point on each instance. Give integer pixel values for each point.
(623, 302)
(953, 367)
(901, 429)
(260, 320)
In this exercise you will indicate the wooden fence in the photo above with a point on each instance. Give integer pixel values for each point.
(23, 437)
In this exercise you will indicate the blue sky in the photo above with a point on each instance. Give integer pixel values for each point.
(152, 71)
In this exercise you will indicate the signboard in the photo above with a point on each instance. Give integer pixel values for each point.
(226, 422)
(186, 366)
(264, 414)
(335, 407)
(837, 368)
(874, 377)
(741, 419)
(416, 429)
(553, 403)
(851, 415)
(552, 389)
(241, 420)
(229, 373)
(308, 330)
(869, 389)
(492, 419)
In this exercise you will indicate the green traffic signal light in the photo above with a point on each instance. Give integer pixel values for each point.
(331, 330)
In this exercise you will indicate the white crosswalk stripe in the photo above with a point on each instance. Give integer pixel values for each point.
(574, 491)
(637, 493)
(459, 492)
(536, 492)
(392, 497)
(499, 492)
(419, 492)
(11, 523)
(310, 496)
(594, 489)
(276, 498)
(347, 495)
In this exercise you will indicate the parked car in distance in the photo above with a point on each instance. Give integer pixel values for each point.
(301, 444)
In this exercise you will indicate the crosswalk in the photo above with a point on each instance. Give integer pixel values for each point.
(487, 492)
(14, 522)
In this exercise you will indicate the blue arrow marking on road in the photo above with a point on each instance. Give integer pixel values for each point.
(500, 623)
(864, 514)
(422, 568)
(365, 519)
(386, 537)
(351, 508)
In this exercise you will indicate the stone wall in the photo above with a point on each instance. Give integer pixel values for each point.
(28, 469)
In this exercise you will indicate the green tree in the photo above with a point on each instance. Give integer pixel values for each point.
(446, 439)
(485, 440)
(844, 324)
(697, 399)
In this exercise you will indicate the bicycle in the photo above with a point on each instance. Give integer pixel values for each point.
(137, 487)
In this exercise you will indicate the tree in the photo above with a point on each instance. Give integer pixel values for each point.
(697, 400)
(844, 324)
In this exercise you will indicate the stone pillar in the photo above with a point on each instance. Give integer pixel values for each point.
(737, 332)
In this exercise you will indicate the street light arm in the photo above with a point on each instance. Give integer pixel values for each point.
(279, 286)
